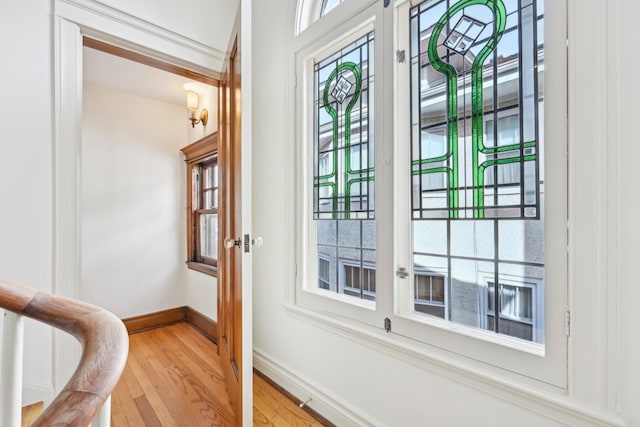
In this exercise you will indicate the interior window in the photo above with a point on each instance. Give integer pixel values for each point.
(203, 183)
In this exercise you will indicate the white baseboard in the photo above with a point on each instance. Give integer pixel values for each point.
(322, 401)
(331, 407)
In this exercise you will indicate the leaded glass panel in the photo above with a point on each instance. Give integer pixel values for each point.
(343, 140)
(476, 162)
(343, 163)
(476, 140)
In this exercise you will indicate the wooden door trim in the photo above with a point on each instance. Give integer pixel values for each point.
(230, 271)
(147, 60)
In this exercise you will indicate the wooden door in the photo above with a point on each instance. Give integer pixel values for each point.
(231, 246)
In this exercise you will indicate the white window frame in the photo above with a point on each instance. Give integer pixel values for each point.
(426, 337)
(307, 295)
(546, 363)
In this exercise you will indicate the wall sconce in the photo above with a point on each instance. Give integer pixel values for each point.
(192, 105)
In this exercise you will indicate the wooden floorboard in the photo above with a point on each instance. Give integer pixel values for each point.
(31, 412)
(173, 378)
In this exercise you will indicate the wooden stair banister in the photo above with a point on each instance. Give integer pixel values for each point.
(105, 346)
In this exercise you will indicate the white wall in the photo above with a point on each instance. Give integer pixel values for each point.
(27, 146)
(132, 203)
(355, 382)
(201, 293)
(25, 168)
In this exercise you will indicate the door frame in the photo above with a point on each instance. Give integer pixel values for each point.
(71, 23)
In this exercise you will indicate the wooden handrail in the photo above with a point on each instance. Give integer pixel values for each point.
(105, 346)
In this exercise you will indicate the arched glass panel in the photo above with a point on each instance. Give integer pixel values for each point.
(327, 5)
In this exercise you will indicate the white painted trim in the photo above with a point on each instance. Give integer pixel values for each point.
(103, 419)
(306, 291)
(594, 199)
(11, 372)
(111, 25)
(539, 398)
(614, 193)
(323, 401)
(66, 168)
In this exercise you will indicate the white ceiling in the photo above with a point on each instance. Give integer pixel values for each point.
(113, 72)
(208, 22)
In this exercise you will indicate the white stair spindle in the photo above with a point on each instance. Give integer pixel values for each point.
(103, 419)
(11, 374)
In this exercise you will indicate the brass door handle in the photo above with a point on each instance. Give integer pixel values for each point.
(230, 243)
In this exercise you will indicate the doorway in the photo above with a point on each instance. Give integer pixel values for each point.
(133, 184)
(71, 26)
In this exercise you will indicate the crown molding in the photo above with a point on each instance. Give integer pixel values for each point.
(102, 22)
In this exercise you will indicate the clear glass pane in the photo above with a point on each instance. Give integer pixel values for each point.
(437, 289)
(208, 177)
(324, 273)
(328, 268)
(209, 235)
(327, 5)
(472, 239)
(208, 200)
(327, 232)
(522, 241)
(430, 237)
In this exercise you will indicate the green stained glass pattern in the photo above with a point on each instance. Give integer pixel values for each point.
(343, 138)
(473, 63)
(477, 164)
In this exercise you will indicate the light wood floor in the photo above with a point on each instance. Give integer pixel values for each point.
(173, 377)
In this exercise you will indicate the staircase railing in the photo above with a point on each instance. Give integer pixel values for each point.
(105, 345)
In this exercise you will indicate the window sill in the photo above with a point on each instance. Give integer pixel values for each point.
(203, 268)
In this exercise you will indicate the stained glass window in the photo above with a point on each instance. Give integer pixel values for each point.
(475, 62)
(343, 143)
(343, 178)
(477, 156)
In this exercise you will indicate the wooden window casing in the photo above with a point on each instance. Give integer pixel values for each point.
(202, 200)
